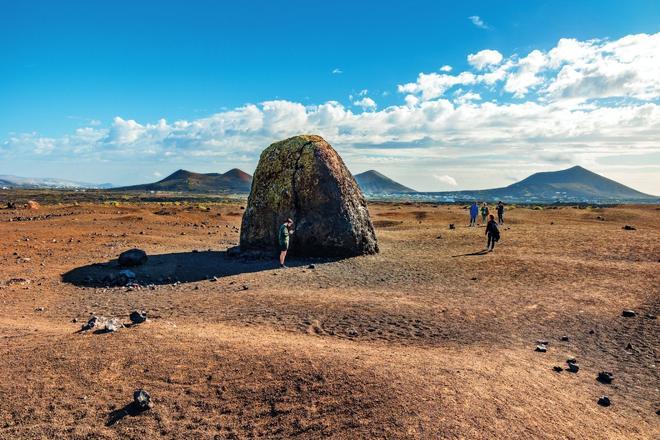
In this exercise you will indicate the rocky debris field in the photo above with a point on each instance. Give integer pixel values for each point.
(553, 335)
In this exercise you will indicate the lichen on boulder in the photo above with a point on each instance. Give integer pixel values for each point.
(305, 179)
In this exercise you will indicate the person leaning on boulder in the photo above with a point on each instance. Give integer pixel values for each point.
(283, 238)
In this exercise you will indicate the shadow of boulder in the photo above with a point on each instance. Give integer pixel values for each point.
(182, 267)
(132, 410)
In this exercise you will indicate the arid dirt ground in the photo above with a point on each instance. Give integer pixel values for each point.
(420, 341)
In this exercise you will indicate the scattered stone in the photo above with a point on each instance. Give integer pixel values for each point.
(91, 323)
(112, 325)
(39, 309)
(245, 287)
(142, 399)
(31, 204)
(591, 332)
(132, 257)
(605, 377)
(629, 313)
(103, 324)
(352, 332)
(20, 281)
(629, 228)
(541, 348)
(557, 369)
(303, 178)
(601, 218)
(127, 273)
(650, 316)
(126, 277)
(564, 338)
(452, 226)
(311, 266)
(604, 401)
(630, 347)
(573, 366)
(138, 316)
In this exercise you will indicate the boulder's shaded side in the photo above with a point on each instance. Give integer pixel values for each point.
(304, 178)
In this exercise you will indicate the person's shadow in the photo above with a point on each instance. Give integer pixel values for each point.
(183, 267)
(481, 252)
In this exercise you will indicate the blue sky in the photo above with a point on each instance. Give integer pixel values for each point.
(83, 86)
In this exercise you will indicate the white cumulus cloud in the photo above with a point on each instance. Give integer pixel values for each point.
(485, 58)
(366, 103)
(591, 102)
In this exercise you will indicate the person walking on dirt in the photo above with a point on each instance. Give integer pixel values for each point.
(493, 234)
(500, 213)
(484, 213)
(474, 211)
(286, 229)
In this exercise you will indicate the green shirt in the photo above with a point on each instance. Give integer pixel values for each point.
(283, 235)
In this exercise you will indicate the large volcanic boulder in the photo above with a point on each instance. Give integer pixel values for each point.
(305, 179)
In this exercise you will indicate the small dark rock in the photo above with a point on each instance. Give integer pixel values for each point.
(629, 228)
(541, 348)
(573, 367)
(629, 314)
(650, 316)
(564, 338)
(138, 316)
(91, 323)
(311, 266)
(630, 347)
(591, 332)
(133, 257)
(142, 399)
(604, 401)
(605, 377)
(557, 369)
(452, 226)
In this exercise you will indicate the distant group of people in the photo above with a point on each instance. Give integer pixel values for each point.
(492, 231)
(488, 219)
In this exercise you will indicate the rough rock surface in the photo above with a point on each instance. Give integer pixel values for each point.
(305, 179)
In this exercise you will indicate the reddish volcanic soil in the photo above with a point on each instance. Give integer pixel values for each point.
(428, 339)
